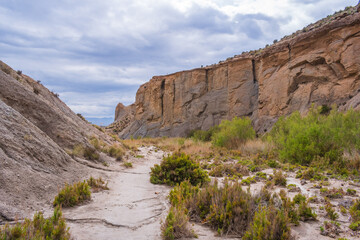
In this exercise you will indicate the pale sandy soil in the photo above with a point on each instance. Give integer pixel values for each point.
(133, 208)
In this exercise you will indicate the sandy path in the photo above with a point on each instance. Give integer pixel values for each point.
(132, 209)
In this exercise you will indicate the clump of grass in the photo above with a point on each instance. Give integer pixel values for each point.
(127, 164)
(87, 152)
(232, 134)
(72, 195)
(38, 228)
(97, 184)
(177, 168)
(116, 151)
(176, 225)
(91, 153)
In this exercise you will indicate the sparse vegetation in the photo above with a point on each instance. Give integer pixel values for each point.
(38, 228)
(127, 164)
(87, 152)
(232, 134)
(177, 168)
(97, 184)
(72, 195)
(317, 138)
(176, 225)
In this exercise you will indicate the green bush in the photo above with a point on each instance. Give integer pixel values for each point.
(38, 228)
(233, 133)
(72, 195)
(355, 215)
(176, 225)
(279, 178)
(269, 224)
(227, 209)
(315, 136)
(177, 168)
(204, 136)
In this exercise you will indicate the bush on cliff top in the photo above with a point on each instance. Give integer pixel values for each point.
(177, 168)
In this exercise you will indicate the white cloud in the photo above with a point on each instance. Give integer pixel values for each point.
(95, 53)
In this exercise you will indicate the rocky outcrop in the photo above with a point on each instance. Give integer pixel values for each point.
(319, 65)
(123, 117)
(36, 128)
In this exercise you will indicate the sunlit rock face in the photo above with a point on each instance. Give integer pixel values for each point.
(319, 65)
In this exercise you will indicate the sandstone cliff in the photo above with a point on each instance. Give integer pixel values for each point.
(36, 128)
(317, 65)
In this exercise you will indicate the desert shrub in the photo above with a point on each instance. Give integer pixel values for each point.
(227, 209)
(305, 212)
(330, 212)
(91, 153)
(279, 178)
(269, 224)
(72, 195)
(299, 198)
(182, 192)
(304, 139)
(38, 228)
(229, 170)
(177, 168)
(176, 225)
(204, 136)
(233, 133)
(355, 215)
(332, 193)
(97, 184)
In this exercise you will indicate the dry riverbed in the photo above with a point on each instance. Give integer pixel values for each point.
(134, 208)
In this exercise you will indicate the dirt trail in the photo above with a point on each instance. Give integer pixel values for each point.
(131, 209)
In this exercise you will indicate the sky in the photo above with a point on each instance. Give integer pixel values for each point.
(95, 54)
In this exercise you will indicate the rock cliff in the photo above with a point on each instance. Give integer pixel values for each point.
(318, 65)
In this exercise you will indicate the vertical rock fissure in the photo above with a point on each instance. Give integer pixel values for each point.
(253, 70)
(206, 80)
(289, 47)
(162, 90)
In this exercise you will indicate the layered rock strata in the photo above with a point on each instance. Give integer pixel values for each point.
(319, 65)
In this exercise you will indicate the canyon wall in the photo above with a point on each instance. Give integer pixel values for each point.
(319, 65)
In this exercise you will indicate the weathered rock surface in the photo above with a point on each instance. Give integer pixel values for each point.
(319, 65)
(35, 129)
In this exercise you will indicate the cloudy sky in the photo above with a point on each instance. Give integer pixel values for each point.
(96, 53)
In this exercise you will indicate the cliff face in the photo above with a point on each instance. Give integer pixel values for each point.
(319, 65)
